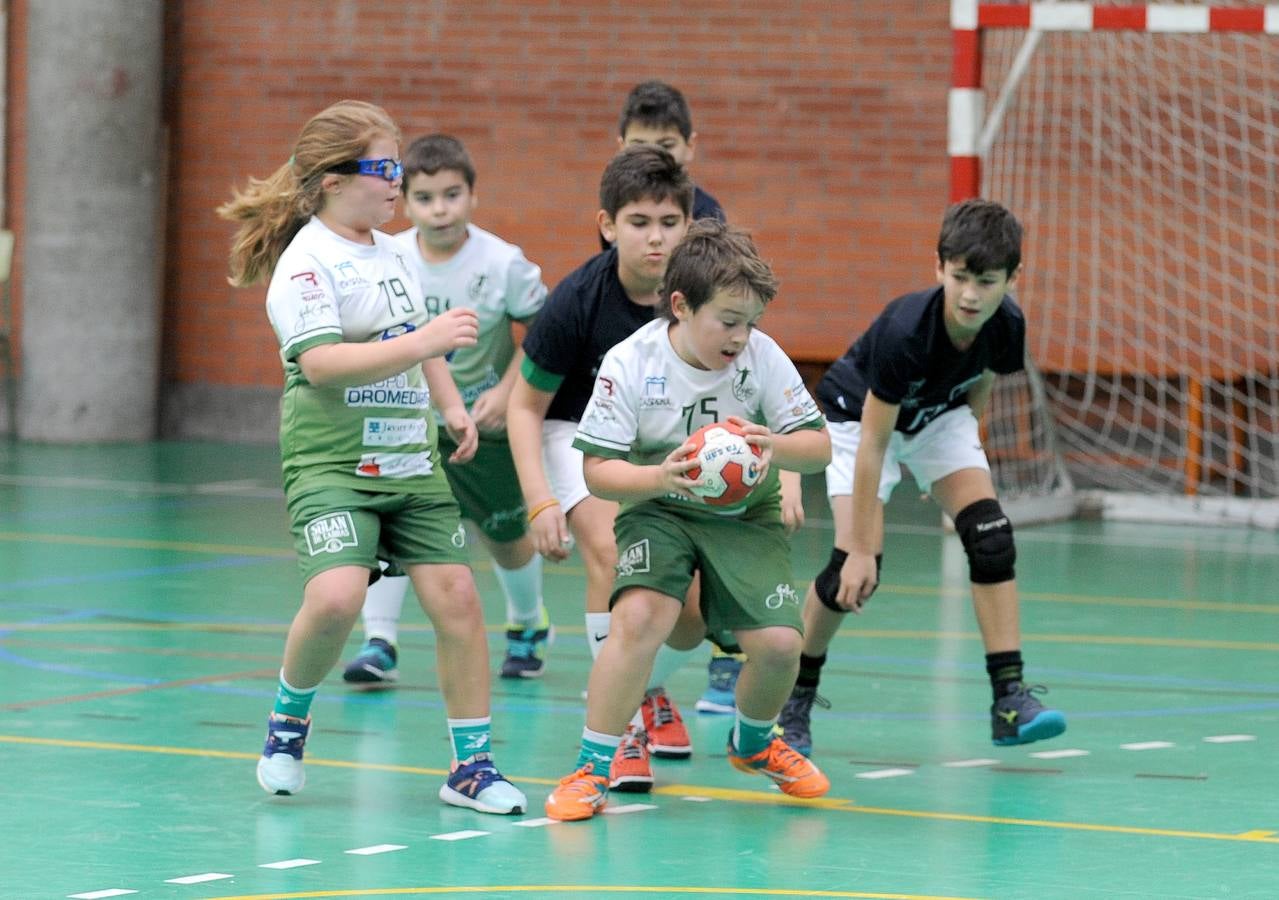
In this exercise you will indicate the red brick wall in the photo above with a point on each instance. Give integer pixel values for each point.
(822, 129)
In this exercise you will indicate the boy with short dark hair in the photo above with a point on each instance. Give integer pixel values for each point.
(703, 361)
(911, 390)
(645, 198)
(463, 266)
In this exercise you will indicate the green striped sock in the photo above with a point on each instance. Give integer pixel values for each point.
(470, 737)
(291, 701)
(752, 735)
(598, 749)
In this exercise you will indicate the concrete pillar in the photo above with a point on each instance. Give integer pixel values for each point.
(92, 245)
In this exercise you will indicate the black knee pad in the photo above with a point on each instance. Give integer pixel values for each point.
(827, 581)
(988, 540)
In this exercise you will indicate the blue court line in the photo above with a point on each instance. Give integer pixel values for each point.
(225, 562)
(926, 664)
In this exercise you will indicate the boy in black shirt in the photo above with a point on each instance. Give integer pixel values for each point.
(911, 389)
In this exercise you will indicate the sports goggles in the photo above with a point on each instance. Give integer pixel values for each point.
(388, 169)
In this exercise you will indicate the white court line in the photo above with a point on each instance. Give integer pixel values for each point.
(697, 799)
(198, 879)
(1147, 745)
(458, 835)
(534, 823)
(885, 773)
(628, 808)
(376, 849)
(98, 895)
(290, 864)
(1229, 738)
(1059, 754)
(970, 763)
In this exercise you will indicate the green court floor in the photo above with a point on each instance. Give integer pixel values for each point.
(144, 595)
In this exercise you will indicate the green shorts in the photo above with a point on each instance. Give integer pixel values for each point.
(745, 565)
(487, 489)
(341, 527)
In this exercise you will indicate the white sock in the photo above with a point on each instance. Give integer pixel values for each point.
(382, 606)
(523, 590)
(667, 662)
(597, 630)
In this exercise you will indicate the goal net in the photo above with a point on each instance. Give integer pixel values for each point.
(1140, 148)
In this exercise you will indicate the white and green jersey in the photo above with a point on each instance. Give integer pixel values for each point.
(647, 401)
(373, 437)
(491, 277)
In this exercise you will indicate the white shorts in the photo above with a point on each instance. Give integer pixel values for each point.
(563, 463)
(947, 444)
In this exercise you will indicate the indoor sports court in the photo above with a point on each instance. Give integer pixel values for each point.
(143, 602)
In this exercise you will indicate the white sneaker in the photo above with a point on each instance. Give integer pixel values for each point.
(280, 767)
(480, 786)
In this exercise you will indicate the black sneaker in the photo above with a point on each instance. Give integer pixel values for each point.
(526, 649)
(376, 664)
(794, 720)
(1019, 718)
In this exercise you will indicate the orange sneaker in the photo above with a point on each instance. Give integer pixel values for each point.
(793, 773)
(579, 796)
(631, 771)
(667, 736)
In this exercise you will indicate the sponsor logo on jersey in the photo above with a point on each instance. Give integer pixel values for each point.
(606, 384)
(308, 312)
(392, 393)
(330, 533)
(781, 595)
(394, 432)
(655, 386)
(634, 559)
(472, 392)
(394, 465)
(475, 290)
(305, 279)
(459, 537)
(349, 276)
(743, 385)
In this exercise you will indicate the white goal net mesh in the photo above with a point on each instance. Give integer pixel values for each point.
(1145, 168)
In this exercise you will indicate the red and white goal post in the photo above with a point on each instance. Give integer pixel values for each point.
(1139, 146)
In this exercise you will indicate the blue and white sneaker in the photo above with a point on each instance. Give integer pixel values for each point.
(280, 767)
(719, 697)
(1019, 718)
(376, 664)
(526, 649)
(478, 785)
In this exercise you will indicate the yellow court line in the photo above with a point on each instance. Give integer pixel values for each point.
(833, 804)
(588, 889)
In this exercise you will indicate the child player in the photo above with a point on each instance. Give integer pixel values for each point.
(703, 361)
(911, 390)
(645, 197)
(362, 363)
(462, 266)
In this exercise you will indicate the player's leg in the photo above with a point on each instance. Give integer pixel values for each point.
(336, 541)
(487, 490)
(378, 660)
(427, 534)
(951, 459)
(656, 565)
(741, 562)
(642, 618)
(823, 617)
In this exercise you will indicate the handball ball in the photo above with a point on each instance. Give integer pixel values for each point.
(728, 467)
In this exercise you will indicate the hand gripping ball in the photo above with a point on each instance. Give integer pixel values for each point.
(728, 467)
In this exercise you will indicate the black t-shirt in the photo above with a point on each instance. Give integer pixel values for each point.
(586, 314)
(704, 207)
(906, 358)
